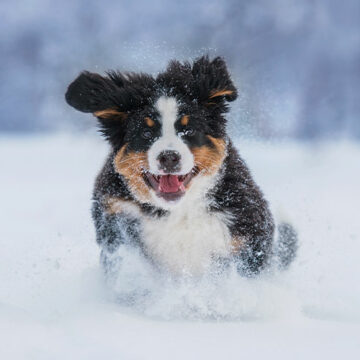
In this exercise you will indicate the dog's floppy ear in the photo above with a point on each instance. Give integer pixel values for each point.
(91, 92)
(212, 82)
(110, 98)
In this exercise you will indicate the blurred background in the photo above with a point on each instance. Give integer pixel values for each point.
(296, 123)
(296, 63)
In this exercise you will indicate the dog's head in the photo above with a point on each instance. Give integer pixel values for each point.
(165, 131)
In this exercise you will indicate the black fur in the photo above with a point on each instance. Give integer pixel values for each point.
(238, 194)
(193, 85)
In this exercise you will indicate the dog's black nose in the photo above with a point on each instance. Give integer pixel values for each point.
(169, 161)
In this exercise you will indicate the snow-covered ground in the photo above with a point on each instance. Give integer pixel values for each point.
(54, 304)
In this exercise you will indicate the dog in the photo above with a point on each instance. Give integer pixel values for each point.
(173, 184)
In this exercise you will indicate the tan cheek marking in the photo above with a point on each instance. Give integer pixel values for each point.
(184, 120)
(208, 160)
(149, 122)
(110, 113)
(131, 166)
(216, 93)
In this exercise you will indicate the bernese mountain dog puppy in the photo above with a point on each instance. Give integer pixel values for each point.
(173, 184)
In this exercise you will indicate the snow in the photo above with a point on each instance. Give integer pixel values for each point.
(54, 303)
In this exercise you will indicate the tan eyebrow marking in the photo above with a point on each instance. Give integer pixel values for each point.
(184, 120)
(222, 92)
(149, 122)
(109, 113)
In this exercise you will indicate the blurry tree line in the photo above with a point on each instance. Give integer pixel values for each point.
(296, 63)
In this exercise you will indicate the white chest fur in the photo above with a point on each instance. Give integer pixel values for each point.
(186, 241)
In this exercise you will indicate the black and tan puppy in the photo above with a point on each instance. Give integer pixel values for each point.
(173, 184)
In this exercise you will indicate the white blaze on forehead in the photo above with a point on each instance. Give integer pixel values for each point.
(168, 109)
(169, 140)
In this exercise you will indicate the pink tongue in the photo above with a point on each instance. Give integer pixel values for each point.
(169, 183)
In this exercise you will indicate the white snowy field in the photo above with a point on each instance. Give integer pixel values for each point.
(54, 304)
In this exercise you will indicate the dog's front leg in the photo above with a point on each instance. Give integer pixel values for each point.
(113, 230)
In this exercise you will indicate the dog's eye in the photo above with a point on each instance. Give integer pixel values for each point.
(189, 131)
(147, 134)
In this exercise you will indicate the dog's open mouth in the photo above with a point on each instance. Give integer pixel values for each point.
(169, 187)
